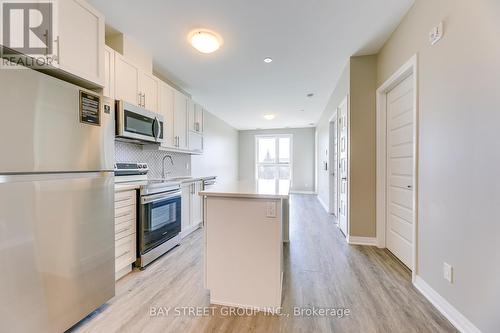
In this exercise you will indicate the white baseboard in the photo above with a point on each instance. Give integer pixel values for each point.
(458, 320)
(367, 241)
(323, 204)
(302, 192)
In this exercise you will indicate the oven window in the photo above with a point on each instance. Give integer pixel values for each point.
(135, 123)
(162, 214)
(159, 221)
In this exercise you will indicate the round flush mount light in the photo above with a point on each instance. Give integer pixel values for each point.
(205, 41)
(269, 116)
(268, 60)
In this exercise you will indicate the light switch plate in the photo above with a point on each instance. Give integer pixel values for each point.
(271, 209)
(448, 272)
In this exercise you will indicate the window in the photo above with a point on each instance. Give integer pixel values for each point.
(273, 169)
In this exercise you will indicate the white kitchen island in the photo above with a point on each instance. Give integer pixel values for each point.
(244, 232)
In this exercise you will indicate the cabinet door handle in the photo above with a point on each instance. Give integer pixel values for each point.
(144, 100)
(140, 99)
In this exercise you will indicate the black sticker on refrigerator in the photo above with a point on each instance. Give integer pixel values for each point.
(90, 109)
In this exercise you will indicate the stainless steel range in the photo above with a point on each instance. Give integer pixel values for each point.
(159, 212)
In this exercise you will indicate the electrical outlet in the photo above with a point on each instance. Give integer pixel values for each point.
(436, 33)
(448, 272)
(271, 209)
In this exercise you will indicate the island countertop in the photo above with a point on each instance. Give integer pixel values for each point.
(244, 189)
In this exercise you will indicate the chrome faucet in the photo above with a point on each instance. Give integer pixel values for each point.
(163, 165)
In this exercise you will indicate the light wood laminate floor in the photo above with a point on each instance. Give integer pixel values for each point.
(321, 270)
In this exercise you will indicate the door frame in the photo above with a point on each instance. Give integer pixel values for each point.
(345, 101)
(409, 68)
(331, 160)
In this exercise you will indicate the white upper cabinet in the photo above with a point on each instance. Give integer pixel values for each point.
(180, 120)
(127, 81)
(79, 45)
(191, 114)
(166, 106)
(195, 120)
(149, 89)
(134, 85)
(109, 73)
(199, 118)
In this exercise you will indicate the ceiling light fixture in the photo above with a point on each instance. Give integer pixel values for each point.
(268, 60)
(204, 40)
(269, 116)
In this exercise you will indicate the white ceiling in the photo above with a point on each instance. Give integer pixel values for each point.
(309, 41)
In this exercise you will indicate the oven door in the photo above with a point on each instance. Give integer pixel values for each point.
(160, 219)
(138, 124)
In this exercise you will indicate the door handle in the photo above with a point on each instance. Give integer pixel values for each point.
(344, 178)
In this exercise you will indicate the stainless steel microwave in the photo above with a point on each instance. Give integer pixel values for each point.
(138, 124)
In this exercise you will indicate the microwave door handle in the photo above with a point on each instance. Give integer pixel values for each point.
(156, 129)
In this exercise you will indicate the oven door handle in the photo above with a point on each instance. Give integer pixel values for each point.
(160, 197)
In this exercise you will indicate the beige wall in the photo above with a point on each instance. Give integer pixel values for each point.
(459, 118)
(362, 140)
(302, 155)
(359, 81)
(220, 156)
(322, 131)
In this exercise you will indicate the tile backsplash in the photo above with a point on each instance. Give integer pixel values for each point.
(129, 152)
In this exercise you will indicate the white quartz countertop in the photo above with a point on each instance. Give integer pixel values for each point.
(246, 190)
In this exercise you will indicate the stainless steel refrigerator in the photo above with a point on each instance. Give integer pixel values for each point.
(56, 202)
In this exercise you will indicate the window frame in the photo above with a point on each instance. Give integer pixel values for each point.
(276, 163)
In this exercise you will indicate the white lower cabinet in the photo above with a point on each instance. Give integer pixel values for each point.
(125, 232)
(192, 206)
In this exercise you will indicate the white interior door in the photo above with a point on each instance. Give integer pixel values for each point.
(400, 171)
(343, 167)
(334, 161)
